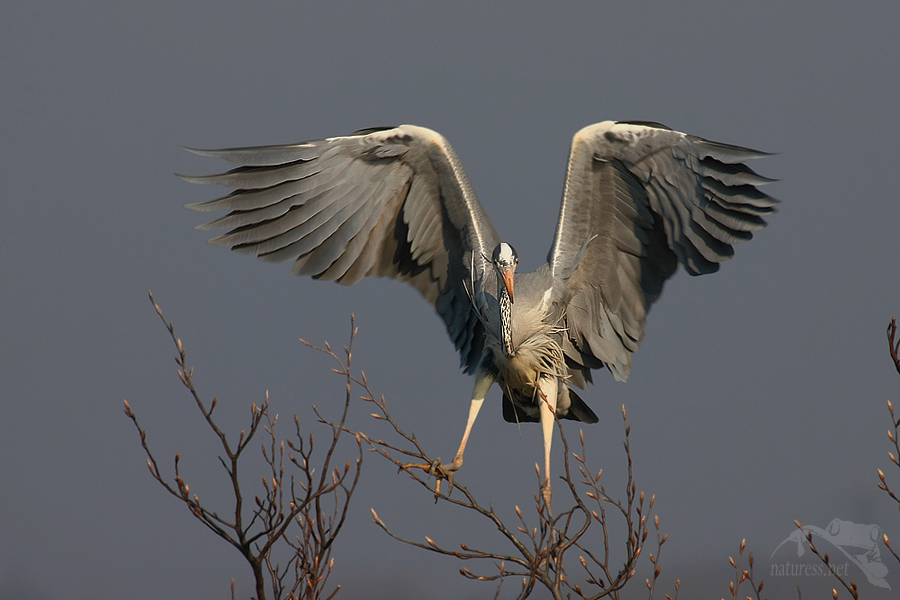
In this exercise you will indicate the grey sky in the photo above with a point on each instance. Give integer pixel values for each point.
(758, 396)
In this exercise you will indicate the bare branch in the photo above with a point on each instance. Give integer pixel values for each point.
(301, 523)
(741, 575)
(894, 345)
(851, 586)
(537, 550)
(893, 435)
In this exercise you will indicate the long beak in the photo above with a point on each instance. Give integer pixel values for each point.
(507, 276)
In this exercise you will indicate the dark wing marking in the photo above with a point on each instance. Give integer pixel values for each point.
(639, 200)
(393, 202)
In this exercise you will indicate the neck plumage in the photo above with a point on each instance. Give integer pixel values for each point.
(505, 323)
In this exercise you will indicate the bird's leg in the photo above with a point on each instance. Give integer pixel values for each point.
(483, 382)
(547, 389)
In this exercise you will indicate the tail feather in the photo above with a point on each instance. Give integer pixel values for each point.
(516, 414)
(579, 410)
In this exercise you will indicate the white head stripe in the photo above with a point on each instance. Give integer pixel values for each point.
(506, 253)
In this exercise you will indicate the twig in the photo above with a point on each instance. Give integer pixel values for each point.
(850, 587)
(538, 551)
(894, 345)
(741, 575)
(318, 510)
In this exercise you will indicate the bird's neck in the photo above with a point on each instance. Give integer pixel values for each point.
(506, 323)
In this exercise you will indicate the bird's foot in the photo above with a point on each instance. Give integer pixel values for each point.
(446, 472)
(439, 471)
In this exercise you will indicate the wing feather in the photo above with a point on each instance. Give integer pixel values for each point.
(640, 199)
(391, 202)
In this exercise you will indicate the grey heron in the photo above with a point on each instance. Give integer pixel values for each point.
(639, 200)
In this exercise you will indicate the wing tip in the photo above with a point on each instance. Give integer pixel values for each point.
(369, 130)
(200, 179)
(200, 151)
(649, 124)
(203, 206)
(728, 153)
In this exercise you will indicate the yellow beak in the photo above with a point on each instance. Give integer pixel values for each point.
(507, 276)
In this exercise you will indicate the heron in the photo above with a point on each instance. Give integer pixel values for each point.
(639, 200)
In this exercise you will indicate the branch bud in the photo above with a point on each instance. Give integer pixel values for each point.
(375, 517)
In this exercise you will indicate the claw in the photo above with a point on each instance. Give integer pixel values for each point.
(437, 470)
(408, 466)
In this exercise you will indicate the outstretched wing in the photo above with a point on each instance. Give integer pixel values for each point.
(391, 202)
(639, 200)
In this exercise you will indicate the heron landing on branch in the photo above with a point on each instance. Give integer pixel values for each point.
(639, 200)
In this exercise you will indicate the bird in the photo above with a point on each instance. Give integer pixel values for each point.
(639, 199)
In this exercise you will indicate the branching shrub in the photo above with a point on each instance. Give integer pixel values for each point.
(297, 514)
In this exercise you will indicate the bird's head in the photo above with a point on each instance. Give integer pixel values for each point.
(505, 260)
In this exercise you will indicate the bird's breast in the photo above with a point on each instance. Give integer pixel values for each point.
(518, 371)
(534, 356)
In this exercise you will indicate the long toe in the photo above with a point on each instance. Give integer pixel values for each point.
(455, 465)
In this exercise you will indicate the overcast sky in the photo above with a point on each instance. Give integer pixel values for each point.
(758, 396)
